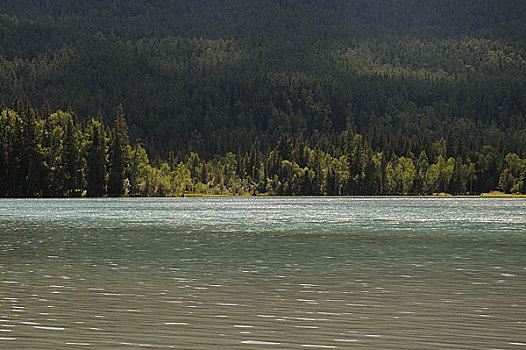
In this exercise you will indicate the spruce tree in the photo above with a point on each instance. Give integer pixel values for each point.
(4, 152)
(30, 155)
(96, 162)
(70, 156)
(46, 110)
(119, 156)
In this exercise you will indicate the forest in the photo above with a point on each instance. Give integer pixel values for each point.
(44, 154)
(289, 97)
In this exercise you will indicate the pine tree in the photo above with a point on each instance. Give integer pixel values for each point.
(70, 156)
(96, 162)
(119, 156)
(46, 110)
(30, 155)
(4, 152)
(14, 154)
(331, 181)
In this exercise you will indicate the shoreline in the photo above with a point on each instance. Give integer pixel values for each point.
(502, 195)
(227, 195)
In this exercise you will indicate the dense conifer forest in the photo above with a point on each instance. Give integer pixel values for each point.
(289, 97)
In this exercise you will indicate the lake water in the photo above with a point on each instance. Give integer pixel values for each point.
(263, 273)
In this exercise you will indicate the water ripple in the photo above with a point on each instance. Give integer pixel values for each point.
(291, 273)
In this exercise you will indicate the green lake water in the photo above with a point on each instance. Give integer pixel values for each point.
(263, 273)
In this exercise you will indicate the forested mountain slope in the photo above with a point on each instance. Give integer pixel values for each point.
(211, 77)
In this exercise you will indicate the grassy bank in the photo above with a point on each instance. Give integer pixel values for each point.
(497, 194)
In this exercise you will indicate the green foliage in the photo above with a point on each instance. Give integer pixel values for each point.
(209, 77)
(96, 161)
(53, 156)
(513, 177)
(119, 161)
(291, 97)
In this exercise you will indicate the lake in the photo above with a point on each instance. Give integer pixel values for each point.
(263, 273)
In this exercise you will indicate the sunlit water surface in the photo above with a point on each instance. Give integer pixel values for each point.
(263, 273)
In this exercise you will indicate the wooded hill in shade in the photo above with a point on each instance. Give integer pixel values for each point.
(229, 80)
(52, 154)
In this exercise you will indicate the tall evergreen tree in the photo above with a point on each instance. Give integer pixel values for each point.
(119, 156)
(4, 152)
(96, 162)
(30, 155)
(70, 156)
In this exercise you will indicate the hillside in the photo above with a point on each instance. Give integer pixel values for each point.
(446, 78)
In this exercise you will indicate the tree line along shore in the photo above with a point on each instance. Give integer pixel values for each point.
(55, 154)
